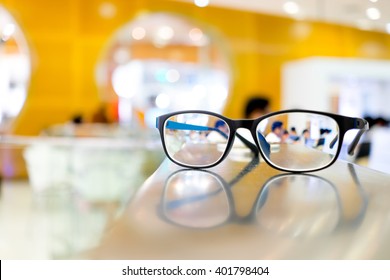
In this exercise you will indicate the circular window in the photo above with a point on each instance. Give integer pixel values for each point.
(160, 63)
(15, 70)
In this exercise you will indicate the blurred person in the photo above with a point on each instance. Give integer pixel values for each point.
(286, 137)
(77, 119)
(256, 107)
(293, 135)
(100, 115)
(305, 137)
(221, 132)
(275, 136)
(324, 132)
(221, 126)
(68, 129)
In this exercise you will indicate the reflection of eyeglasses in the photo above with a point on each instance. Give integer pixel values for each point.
(295, 204)
(201, 139)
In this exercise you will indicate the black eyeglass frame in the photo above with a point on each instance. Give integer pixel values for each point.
(344, 123)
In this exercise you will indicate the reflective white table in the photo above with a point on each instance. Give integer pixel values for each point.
(240, 209)
(243, 209)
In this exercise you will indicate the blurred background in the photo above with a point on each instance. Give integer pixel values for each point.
(81, 82)
(121, 63)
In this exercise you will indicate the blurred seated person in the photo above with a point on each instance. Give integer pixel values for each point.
(221, 132)
(305, 137)
(324, 132)
(293, 135)
(286, 137)
(256, 107)
(77, 119)
(100, 115)
(221, 126)
(275, 136)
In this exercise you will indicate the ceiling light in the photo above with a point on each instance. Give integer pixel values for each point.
(163, 101)
(107, 10)
(201, 3)
(373, 1)
(121, 56)
(291, 7)
(373, 13)
(195, 34)
(138, 33)
(172, 75)
(8, 31)
(165, 33)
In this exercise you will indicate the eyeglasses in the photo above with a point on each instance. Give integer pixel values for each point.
(202, 139)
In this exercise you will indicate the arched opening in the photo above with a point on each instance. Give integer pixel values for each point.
(159, 63)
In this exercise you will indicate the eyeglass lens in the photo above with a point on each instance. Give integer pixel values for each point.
(196, 139)
(296, 141)
(299, 141)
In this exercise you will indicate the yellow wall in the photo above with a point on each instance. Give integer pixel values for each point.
(67, 36)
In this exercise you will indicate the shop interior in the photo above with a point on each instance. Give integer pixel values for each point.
(82, 82)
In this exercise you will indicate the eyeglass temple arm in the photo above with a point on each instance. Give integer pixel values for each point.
(196, 198)
(249, 144)
(185, 126)
(361, 124)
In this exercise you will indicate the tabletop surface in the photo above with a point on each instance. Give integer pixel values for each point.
(240, 209)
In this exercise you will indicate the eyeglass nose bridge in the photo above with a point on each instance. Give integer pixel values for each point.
(251, 126)
(248, 124)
